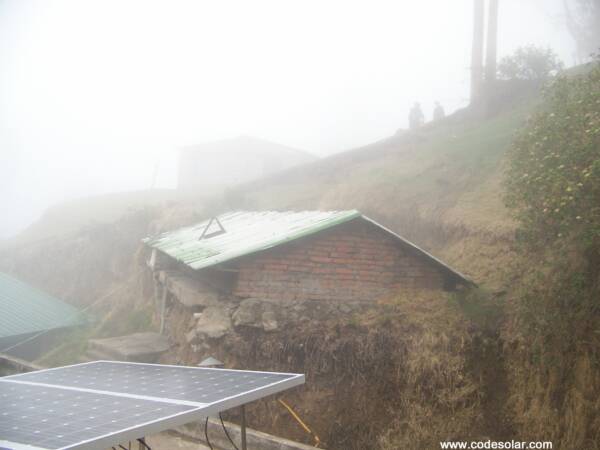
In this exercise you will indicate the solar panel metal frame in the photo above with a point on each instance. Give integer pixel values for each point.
(200, 412)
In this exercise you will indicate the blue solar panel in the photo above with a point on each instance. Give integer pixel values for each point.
(98, 405)
(56, 418)
(189, 384)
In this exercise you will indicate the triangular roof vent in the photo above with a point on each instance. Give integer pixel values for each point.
(207, 233)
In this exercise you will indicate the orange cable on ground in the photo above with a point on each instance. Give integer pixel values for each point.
(299, 420)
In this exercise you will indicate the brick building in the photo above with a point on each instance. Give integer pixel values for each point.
(310, 255)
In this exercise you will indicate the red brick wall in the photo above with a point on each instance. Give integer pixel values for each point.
(354, 261)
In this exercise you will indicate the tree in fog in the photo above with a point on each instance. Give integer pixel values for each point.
(492, 41)
(477, 50)
(583, 22)
(530, 63)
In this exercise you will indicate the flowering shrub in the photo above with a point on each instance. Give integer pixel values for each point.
(553, 179)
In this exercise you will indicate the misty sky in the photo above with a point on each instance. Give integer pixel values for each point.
(94, 94)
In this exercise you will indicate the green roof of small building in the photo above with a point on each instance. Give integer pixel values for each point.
(25, 309)
(240, 233)
(245, 232)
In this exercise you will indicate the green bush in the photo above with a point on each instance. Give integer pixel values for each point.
(553, 179)
(529, 63)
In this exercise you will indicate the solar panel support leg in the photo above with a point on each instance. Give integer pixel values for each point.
(243, 428)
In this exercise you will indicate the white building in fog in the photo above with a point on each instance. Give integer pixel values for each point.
(225, 163)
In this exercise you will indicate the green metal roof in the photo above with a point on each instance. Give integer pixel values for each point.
(246, 232)
(25, 309)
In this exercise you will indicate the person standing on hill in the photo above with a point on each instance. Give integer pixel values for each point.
(438, 111)
(415, 117)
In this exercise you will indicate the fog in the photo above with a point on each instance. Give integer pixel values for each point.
(95, 94)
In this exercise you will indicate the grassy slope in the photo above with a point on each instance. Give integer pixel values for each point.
(436, 187)
(440, 187)
(69, 217)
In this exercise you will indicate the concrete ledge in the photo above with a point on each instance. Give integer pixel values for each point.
(256, 440)
(138, 347)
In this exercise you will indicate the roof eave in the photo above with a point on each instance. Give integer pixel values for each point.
(454, 273)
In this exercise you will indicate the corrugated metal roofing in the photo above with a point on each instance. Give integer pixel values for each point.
(248, 232)
(25, 309)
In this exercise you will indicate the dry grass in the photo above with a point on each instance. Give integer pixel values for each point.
(398, 369)
(439, 400)
(552, 339)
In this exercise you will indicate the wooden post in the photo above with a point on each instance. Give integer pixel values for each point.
(155, 301)
(162, 309)
(477, 50)
(492, 42)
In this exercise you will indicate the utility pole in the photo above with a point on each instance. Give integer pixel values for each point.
(154, 175)
(492, 42)
(477, 52)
